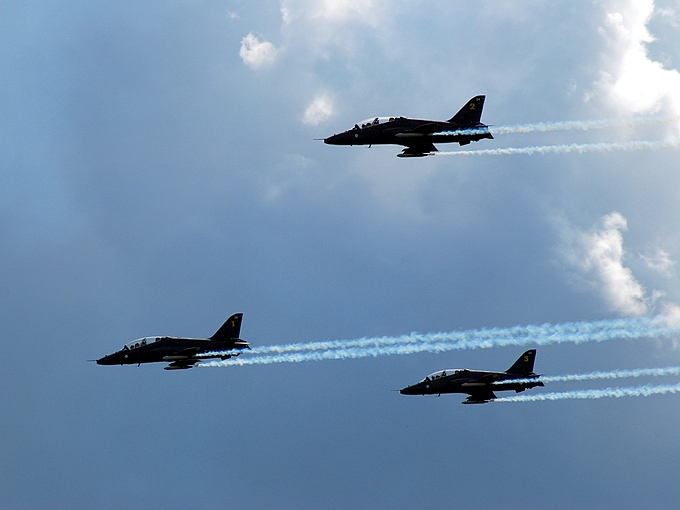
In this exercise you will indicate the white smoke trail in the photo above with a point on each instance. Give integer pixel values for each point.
(592, 376)
(546, 334)
(638, 391)
(574, 332)
(570, 125)
(584, 125)
(637, 145)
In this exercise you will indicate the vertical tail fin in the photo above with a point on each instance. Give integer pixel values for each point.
(230, 329)
(471, 113)
(525, 363)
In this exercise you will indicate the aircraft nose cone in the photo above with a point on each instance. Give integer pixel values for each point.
(109, 359)
(346, 138)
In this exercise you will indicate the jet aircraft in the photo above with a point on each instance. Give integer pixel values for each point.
(478, 384)
(419, 136)
(181, 352)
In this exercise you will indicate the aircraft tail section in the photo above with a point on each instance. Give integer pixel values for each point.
(230, 329)
(471, 113)
(525, 363)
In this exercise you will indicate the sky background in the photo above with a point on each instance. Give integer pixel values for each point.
(158, 173)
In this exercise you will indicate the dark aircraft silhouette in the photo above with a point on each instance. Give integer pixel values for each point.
(419, 136)
(478, 384)
(181, 352)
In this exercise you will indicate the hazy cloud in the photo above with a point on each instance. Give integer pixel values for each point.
(366, 12)
(669, 15)
(257, 54)
(661, 262)
(319, 110)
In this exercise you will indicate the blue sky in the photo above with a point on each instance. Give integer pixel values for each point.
(159, 173)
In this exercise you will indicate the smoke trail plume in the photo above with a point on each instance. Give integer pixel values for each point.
(570, 125)
(592, 376)
(546, 334)
(638, 391)
(638, 145)
(583, 125)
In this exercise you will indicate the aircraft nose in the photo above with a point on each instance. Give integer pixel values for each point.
(109, 359)
(346, 138)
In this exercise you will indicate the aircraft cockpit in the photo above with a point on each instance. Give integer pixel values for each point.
(374, 122)
(141, 342)
(442, 373)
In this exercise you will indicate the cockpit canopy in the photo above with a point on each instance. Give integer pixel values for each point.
(442, 373)
(140, 342)
(374, 122)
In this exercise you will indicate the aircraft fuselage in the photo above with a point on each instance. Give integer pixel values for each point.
(479, 384)
(171, 349)
(471, 382)
(180, 352)
(408, 132)
(418, 135)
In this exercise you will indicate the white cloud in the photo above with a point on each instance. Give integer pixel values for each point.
(319, 110)
(257, 54)
(630, 80)
(604, 256)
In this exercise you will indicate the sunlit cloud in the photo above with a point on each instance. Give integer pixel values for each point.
(598, 257)
(630, 80)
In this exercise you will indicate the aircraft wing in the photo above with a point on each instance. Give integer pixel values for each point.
(488, 378)
(186, 358)
(189, 352)
(425, 129)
